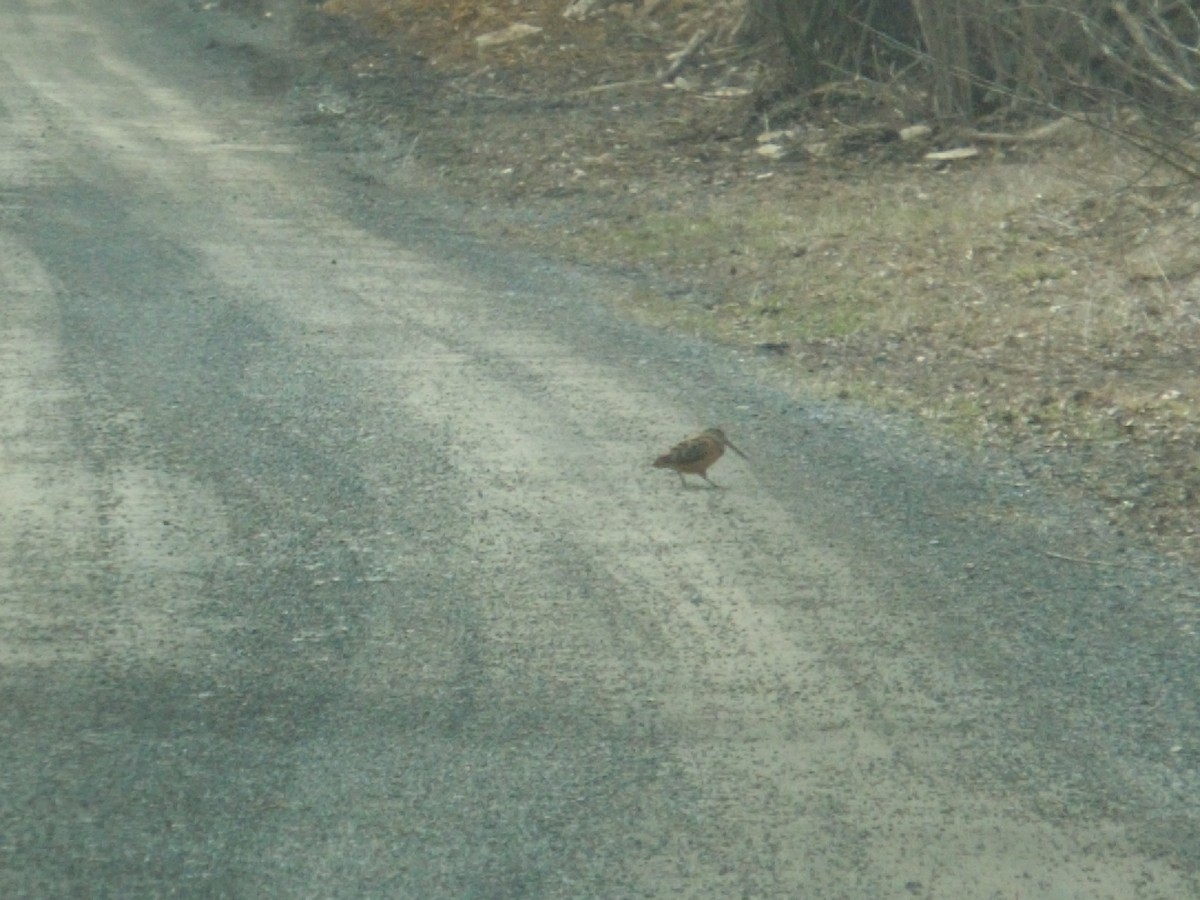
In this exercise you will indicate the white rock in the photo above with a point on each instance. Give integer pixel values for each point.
(915, 133)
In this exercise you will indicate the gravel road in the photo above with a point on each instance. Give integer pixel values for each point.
(332, 563)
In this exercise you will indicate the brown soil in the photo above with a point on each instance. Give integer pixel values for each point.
(1040, 297)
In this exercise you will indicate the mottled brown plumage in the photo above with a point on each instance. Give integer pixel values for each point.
(697, 454)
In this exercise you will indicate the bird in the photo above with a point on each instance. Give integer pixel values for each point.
(697, 454)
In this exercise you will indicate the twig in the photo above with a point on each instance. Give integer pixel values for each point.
(412, 148)
(579, 9)
(694, 43)
(611, 86)
(1080, 559)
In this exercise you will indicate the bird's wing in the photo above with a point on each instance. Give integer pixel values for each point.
(691, 451)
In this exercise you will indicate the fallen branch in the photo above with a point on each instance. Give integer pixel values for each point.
(1041, 133)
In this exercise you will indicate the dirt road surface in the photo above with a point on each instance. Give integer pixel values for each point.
(332, 563)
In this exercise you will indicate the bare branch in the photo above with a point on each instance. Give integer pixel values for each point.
(1160, 64)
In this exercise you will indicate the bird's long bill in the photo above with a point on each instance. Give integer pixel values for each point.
(729, 444)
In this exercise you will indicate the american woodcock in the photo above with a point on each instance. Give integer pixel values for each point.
(697, 454)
